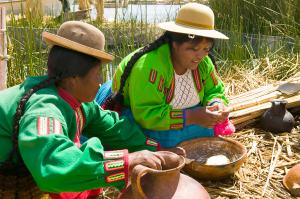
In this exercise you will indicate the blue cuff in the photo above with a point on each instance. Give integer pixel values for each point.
(215, 101)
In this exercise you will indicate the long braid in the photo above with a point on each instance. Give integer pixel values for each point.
(116, 101)
(8, 165)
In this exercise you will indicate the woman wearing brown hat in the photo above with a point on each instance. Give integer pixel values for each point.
(171, 85)
(42, 120)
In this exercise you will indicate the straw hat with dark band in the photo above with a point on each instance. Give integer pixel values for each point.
(81, 37)
(194, 19)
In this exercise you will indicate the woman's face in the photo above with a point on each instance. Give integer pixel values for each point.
(86, 88)
(188, 54)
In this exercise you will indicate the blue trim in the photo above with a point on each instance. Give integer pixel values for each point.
(104, 92)
(171, 138)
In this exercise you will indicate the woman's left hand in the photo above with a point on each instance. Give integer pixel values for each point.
(221, 108)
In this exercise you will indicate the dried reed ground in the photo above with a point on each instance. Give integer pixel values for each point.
(270, 156)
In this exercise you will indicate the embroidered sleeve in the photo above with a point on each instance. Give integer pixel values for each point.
(58, 165)
(116, 168)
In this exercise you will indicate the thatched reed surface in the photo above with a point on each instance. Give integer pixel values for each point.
(270, 156)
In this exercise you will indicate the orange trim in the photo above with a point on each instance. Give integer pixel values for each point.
(171, 91)
(176, 126)
(152, 76)
(161, 83)
(213, 76)
(197, 79)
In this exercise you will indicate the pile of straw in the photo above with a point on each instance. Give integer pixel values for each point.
(269, 158)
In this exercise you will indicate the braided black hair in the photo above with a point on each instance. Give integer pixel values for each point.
(62, 63)
(115, 102)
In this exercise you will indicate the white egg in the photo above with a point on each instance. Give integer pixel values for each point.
(217, 160)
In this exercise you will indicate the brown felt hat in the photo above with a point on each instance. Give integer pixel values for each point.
(194, 19)
(80, 36)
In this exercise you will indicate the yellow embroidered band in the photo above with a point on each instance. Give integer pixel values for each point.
(196, 25)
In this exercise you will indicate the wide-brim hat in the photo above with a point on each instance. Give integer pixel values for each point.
(194, 19)
(81, 37)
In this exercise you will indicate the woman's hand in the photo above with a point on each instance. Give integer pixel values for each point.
(207, 116)
(154, 160)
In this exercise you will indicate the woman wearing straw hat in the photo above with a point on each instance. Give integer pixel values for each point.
(171, 85)
(43, 118)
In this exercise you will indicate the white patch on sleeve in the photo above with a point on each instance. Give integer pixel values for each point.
(43, 126)
(57, 129)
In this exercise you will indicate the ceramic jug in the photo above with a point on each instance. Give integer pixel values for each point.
(168, 183)
(277, 119)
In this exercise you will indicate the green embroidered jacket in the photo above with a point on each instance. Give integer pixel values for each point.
(150, 88)
(49, 140)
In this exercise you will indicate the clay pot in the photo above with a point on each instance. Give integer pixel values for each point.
(277, 119)
(168, 183)
(292, 180)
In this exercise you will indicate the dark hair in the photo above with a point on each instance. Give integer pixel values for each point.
(62, 63)
(115, 102)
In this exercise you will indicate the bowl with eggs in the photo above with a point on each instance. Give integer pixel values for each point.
(213, 158)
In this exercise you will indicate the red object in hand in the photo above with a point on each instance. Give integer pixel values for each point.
(224, 129)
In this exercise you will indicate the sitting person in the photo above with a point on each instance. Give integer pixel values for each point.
(171, 87)
(42, 120)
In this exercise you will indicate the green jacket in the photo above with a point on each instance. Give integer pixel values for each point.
(49, 140)
(150, 88)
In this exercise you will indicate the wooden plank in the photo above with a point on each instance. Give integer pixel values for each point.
(3, 49)
(254, 112)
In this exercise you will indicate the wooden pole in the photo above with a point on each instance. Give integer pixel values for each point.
(100, 10)
(3, 49)
(84, 4)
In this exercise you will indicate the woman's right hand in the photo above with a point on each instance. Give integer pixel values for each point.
(205, 116)
(154, 160)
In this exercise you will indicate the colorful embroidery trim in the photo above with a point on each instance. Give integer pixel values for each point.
(114, 165)
(176, 114)
(115, 177)
(197, 79)
(161, 84)
(213, 76)
(151, 142)
(171, 91)
(113, 154)
(48, 125)
(152, 77)
(176, 126)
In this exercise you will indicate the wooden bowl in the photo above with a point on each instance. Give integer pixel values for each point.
(200, 149)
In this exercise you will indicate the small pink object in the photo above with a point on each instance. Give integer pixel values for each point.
(224, 129)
